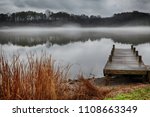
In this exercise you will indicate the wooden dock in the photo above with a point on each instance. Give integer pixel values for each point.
(125, 62)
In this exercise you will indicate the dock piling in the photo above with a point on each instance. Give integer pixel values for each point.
(137, 53)
(148, 73)
(113, 48)
(110, 58)
(112, 52)
(132, 47)
(140, 59)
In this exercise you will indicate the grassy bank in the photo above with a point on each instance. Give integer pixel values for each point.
(139, 94)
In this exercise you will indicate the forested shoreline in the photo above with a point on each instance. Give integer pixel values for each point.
(50, 18)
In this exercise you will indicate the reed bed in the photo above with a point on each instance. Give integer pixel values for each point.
(39, 79)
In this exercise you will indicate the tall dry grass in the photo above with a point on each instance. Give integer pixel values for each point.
(38, 79)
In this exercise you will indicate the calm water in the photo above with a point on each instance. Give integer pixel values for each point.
(85, 49)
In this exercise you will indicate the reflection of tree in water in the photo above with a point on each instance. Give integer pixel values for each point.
(64, 38)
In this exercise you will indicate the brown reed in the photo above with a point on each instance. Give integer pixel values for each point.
(39, 79)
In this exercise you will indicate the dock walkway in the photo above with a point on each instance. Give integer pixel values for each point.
(125, 62)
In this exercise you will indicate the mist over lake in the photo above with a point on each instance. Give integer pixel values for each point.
(85, 49)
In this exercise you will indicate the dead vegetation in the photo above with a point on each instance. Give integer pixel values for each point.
(38, 79)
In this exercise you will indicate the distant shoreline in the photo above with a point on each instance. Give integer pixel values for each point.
(50, 19)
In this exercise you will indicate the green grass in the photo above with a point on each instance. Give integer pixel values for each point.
(139, 94)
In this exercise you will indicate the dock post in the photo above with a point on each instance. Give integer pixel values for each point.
(137, 53)
(148, 76)
(140, 59)
(113, 46)
(148, 73)
(112, 52)
(132, 47)
(110, 58)
(113, 49)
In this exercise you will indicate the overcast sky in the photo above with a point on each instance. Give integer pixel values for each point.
(89, 7)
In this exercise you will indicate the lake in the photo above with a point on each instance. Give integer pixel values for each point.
(86, 50)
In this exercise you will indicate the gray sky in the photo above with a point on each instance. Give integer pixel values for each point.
(89, 7)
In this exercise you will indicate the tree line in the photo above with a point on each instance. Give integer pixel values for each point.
(50, 18)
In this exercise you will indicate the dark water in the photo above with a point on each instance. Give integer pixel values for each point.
(85, 49)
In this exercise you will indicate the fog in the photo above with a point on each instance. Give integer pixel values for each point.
(74, 29)
(62, 35)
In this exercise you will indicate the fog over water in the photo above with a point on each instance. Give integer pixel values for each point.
(85, 49)
(29, 36)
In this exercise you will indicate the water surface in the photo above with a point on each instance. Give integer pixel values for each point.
(85, 49)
